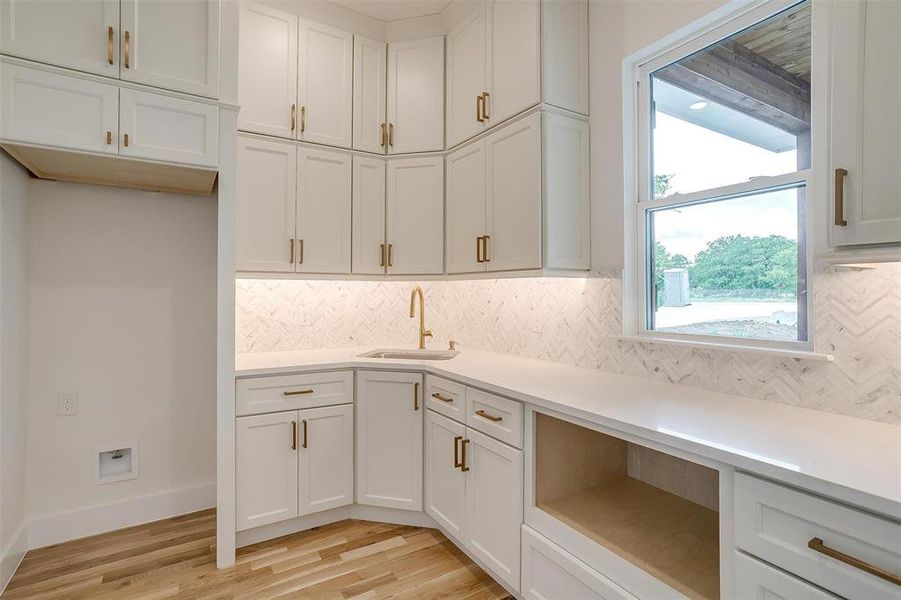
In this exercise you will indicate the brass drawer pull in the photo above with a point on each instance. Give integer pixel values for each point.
(126, 140)
(382, 252)
(817, 545)
(298, 392)
(391, 134)
(292, 250)
(303, 119)
(383, 139)
(485, 415)
(485, 239)
(300, 252)
(438, 396)
(109, 44)
(479, 100)
(840, 175)
(485, 115)
(127, 50)
(293, 117)
(416, 396)
(109, 138)
(390, 255)
(463, 445)
(479, 258)
(305, 433)
(457, 462)
(293, 435)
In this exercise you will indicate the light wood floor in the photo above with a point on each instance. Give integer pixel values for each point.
(175, 558)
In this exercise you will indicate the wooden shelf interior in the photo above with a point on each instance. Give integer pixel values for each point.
(657, 511)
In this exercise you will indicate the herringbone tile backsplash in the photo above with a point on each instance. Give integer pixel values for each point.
(857, 317)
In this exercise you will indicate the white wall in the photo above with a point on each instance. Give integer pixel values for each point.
(13, 362)
(619, 28)
(122, 311)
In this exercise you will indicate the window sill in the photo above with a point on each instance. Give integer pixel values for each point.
(776, 352)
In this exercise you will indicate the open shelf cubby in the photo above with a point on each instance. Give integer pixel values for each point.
(658, 511)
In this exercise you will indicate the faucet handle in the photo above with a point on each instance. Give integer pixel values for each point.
(426, 333)
(452, 344)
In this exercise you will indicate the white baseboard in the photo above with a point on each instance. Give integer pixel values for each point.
(12, 555)
(71, 525)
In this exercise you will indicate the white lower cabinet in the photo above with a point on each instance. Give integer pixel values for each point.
(551, 573)
(389, 439)
(474, 491)
(756, 579)
(326, 448)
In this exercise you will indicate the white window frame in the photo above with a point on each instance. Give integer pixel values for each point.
(716, 26)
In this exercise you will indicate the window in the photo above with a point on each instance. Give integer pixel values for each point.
(724, 162)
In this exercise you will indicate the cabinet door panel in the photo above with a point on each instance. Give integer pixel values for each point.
(368, 215)
(266, 469)
(415, 215)
(514, 57)
(266, 171)
(466, 208)
(325, 84)
(565, 58)
(494, 505)
(66, 33)
(416, 96)
(466, 77)
(267, 82)
(168, 129)
(326, 458)
(866, 123)
(566, 192)
(445, 483)
(370, 82)
(389, 439)
(755, 579)
(323, 211)
(49, 109)
(514, 196)
(172, 45)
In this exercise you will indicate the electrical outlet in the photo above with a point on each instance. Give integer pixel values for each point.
(66, 404)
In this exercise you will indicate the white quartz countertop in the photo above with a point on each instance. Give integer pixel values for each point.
(850, 459)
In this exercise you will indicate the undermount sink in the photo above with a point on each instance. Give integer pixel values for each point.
(412, 354)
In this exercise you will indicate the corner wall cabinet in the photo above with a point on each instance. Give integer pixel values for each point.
(370, 95)
(502, 52)
(132, 40)
(517, 198)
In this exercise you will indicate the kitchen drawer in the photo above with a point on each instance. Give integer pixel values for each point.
(446, 397)
(756, 579)
(549, 572)
(292, 392)
(776, 523)
(498, 417)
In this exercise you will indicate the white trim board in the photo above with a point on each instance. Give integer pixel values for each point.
(11, 556)
(71, 525)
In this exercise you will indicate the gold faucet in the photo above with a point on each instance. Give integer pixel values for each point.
(423, 332)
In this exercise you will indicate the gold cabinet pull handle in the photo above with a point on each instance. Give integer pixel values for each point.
(109, 44)
(485, 415)
(479, 101)
(126, 140)
(293, 117)
(109, 138)
(291, 244)
(416, 396)
(485, 115)
(485, 239)
(817, 545)
(382, 255)
(479, 258)
(457, 462)
(303, 119)
(438, 396)
(463, 445)
(300, 251)
(391, 134)
(127, 50)
(305, 434)
(293, 435)
(298, 392)
(390, 255)
(383, 139)
(840, 175)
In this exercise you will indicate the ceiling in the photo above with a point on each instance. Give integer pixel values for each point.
(393, 10)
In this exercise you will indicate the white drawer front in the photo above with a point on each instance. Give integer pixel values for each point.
(776, 523)
(550, 573)
(293, 392)
(498, 417)
(755, 579)
(446, 397)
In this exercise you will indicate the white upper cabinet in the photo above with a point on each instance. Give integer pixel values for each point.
(514, 52)
(325, 84)
(513, 156)
(565, 54)
(171, 45)
(323, 211)
(566, 192)
(368, 246)
(267, 72)
(370, 80)
(416, 96)
(466, 209)
(866, 123)
(389, 439)
(78, 34)
(467, 77)
(167, 129)
(326, 458)
(415, 211)
(49, 109)
(266, 176)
